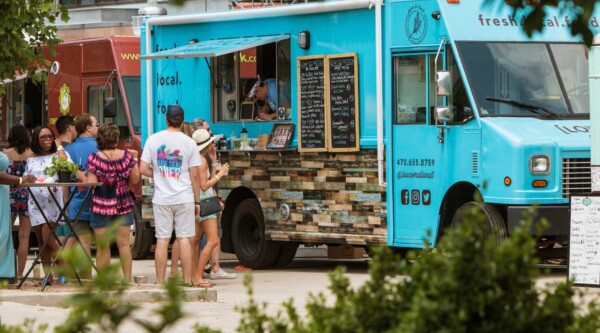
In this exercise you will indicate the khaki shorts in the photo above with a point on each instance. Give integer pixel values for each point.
(179, 217)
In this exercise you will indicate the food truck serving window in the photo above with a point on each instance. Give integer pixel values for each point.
(253, 84)
(236, 65)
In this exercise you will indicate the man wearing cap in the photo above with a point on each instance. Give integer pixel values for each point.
(264, 94)
(171, 158)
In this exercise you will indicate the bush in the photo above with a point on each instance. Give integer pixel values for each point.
(469, 283)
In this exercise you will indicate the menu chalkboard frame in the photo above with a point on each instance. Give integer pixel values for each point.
(247, 111)
(572, 248)
(299, 61)
(329, 131)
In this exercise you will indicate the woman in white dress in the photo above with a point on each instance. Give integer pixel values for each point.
(44, 146)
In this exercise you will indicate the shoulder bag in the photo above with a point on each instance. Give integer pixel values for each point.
(209, 206)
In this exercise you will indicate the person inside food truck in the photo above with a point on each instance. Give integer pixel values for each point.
(264, 94)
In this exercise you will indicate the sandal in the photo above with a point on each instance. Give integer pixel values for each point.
(204, 284)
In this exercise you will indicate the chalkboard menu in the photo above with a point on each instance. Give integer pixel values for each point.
(343, 102)
(311, 101)
(584, 240)
(328, 103)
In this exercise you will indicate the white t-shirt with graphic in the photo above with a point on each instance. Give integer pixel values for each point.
(170, 155)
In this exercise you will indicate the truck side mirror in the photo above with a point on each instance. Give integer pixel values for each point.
(443, 114)
(110, 107)
(443, 83)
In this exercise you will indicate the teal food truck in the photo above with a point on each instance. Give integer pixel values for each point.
(384, 119)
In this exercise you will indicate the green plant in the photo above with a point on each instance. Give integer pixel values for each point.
(60, 164)
(468, 283)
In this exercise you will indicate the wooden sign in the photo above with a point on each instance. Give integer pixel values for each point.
(311, 104)
(342, 73)
(584, 240)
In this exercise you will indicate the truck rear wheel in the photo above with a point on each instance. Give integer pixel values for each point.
(286, 254)
(493, 218)
(140, 237)
(248, 236)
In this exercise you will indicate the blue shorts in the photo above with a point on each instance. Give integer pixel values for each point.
(103, 221)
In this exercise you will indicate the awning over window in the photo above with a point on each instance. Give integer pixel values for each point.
(215, 47)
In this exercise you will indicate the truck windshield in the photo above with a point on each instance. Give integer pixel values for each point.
(505, 77)
(132, 87)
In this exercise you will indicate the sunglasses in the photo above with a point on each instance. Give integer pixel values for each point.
(47, 137)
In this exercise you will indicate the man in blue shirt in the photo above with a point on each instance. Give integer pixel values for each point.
(265, 95)
(86, 126)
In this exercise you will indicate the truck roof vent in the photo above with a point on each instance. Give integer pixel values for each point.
(152, 9)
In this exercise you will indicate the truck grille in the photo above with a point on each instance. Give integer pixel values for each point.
(577, 177)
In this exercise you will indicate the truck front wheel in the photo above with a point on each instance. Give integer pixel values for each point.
(248, 236)
(493, 218)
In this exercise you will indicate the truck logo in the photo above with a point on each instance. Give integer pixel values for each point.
(426, 197)
(404, 197)
(415, 197)
(64, 99)
(416, 24)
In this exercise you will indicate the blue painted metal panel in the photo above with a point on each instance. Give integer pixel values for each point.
(476, 20)
(328, 36)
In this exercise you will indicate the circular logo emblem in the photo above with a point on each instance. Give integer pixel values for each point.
(64, 99)
(416, 24)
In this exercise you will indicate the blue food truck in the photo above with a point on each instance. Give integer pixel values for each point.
(378, 122)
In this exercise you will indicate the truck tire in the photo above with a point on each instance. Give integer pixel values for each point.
(287, 253)
(493, 218)
(140, 236)
(248, 235)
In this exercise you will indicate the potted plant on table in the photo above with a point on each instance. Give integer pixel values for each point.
(63, 167)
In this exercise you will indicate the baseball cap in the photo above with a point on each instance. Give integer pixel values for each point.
(175, 112)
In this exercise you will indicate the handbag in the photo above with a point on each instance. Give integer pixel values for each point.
(209, 206)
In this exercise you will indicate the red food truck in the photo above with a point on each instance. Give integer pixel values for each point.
(100, 76)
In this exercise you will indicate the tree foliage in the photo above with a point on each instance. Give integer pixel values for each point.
(580, 12)
(24, 27)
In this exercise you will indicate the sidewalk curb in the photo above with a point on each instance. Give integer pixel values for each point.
(55, 299)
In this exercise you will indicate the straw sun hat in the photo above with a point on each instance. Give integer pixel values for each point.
(202, 138)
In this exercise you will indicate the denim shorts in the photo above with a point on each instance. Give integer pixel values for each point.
(103, 221)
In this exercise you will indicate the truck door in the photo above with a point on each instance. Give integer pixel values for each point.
(96, 91)
(417, 154)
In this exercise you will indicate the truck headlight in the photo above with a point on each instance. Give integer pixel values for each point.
(539, 165)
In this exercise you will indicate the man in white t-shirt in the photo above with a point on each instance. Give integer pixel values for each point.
(172, 159)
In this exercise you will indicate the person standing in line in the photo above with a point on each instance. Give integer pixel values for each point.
(65, 126)
(18, 152)
(215, 272)
(44, 146)
(112, 202)
(188, 129)
(85, 145)
(171, 158)
(206, 224)
(7, 254)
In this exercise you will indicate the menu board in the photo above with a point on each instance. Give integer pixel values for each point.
(343, 102)
(311, 102)
(584, 240)
(328, 103)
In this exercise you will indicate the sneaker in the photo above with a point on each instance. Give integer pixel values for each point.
(221, 274)
(206, 273)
